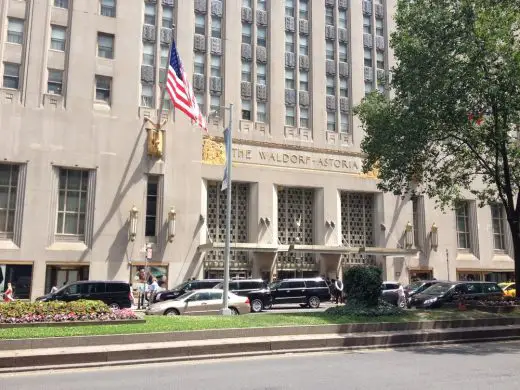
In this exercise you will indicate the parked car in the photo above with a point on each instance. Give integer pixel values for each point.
(308, 292)
(445, 292)
(255, 289)
(509, 289)
(181, 289)
(200, 302)
(117, 295)
(419, 286)
(390, 293)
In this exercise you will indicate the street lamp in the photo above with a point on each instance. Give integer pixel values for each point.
(132, 231)
(172, 216)
(227, 251)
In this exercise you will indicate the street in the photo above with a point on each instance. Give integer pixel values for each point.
(467, 366)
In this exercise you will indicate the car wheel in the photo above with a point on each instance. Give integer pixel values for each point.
(234, 311)
(402, 304)
(256, 305)
(114, 306)
(314, 302)
(171, 312)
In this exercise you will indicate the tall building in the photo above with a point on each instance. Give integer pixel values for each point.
(80, 197)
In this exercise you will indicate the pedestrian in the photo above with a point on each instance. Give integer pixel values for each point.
(332, 287)
(8, 294)
(54, 290)
(339, 291)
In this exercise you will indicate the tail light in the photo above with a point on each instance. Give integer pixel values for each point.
(247, 301)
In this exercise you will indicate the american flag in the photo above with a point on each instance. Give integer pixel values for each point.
(180, 90)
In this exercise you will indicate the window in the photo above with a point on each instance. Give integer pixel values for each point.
(261, 5)
(246, 71)
(329, 51)
(261, 113)
(15, 29)
(149, 53)
(200, 24)
(342, 18)
(289, 78)
(343, 55)
(246, 109)
(11, 76)
(247, 3)
(304, 9)
(165, 56)
(304, 81)
(105, 45)
(20, 277)
(149, 13)
(289, 8)
(369, 87)
(152, 194)
(58, 38)
(55, 82)
(147, 95)
(304, 45)
(246, 33)
(368, 57)
(215, 66)
(103, 87)
(216, 27)
(200, 102)
(463, 233)
(261, 74)
(72, 205)
(214, 103)
(380, 30)
(343, 87)
(167, 16)
(289, 42)
(380, 58)
(498, 223)
(381, 87)
(8, 191)
(261, 36)
(61, 3)
(108, 8)
(331, 121)
(329, 16)
(331, 86)
(199, 63)
(367, 24)
(304, 117)
(289, 116)
(344, 123)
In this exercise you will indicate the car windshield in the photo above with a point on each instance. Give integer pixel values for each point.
(438, 289)
(274, 285)
(180, 286)
(183, 296)
(414, 285)
(220, 285)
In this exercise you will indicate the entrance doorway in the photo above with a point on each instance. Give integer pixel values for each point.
(60, 275)
(421, 275)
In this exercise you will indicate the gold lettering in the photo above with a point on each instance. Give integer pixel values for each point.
(294, 159)
(337, 164)
(248, 154)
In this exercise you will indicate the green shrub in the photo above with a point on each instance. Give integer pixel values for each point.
(357, 309)
(362, 284)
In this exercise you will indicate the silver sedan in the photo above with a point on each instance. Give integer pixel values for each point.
(200, 302)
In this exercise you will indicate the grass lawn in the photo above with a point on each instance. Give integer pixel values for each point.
(156, 324)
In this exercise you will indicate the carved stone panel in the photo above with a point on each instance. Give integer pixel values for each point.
(166, 35)
(342, 35)
(289, 23)
(369, 73)
(246, 53)
(380, 43)
(367, 40)
(261, 54)
(343, 69)
(304, 27)
(330, 33)
(381, 76)
(169, 3)
(304, 98)
(304, 62)
(290, 60)
(344, 104)
(216, 46)
(331, 103)
(147, 73)
(199, 82)
(245, 89)
(247, 15)
(216, 8)
(342, 4)
(149, 33)
(261, 17)
(199, 42)
(290, 97)
(380, 10)
(357, 224)
(215, 85)
(331, 137)
(330, 67)
(330, 3)
(200, 6)
(261, 93)
(367, 7)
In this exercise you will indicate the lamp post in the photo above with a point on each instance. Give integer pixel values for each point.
(227, 250)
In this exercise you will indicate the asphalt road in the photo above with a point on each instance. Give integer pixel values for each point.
(468, 366)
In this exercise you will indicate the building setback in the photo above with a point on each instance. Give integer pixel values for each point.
(79, 79)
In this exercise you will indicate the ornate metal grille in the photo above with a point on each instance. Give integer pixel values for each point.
(357, 225)
(295, 226)
(216, 224)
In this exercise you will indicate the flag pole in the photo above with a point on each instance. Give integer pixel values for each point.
(165, 82)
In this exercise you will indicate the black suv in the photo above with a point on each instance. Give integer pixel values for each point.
(184, 287)
(309, 292)
(255, 289)
(117, 295)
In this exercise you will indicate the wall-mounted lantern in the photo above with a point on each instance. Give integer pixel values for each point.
(265, 221)
(408, 236)
(172, 216)
(330, 224)
(434, 237)
(132, 231)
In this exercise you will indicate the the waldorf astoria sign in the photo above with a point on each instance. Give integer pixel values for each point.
(213, 154)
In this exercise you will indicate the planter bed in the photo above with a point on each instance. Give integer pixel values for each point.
(71, 323)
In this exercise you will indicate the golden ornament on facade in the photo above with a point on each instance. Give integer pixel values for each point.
(213, 152)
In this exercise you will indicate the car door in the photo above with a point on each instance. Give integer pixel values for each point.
(215, 303)
(473, 291)
(296, 291)
(97, 292)
(197, 304)
(73, 292)
(282, 293)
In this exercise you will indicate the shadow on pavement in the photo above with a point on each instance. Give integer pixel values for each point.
(479, 349)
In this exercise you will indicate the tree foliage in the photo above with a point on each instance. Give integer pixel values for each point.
(452, 123)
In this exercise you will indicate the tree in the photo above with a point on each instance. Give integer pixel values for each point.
(452, 124)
